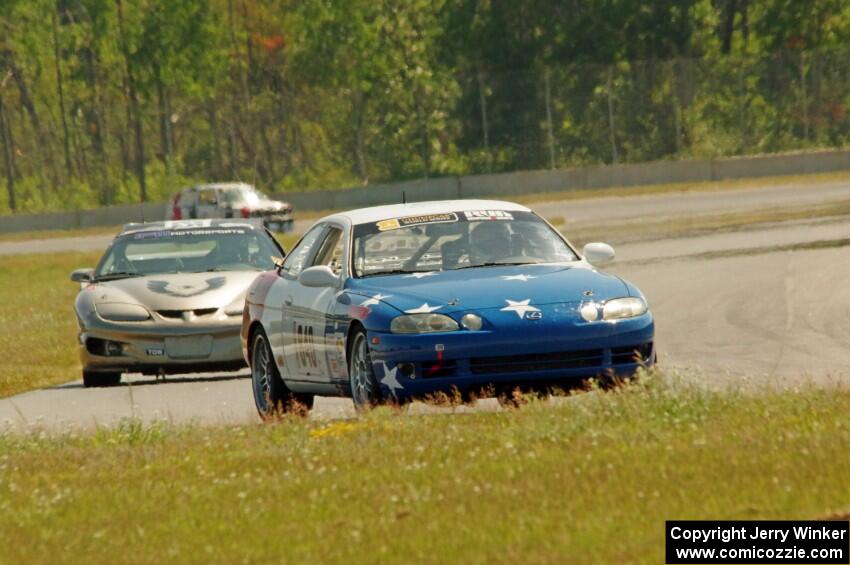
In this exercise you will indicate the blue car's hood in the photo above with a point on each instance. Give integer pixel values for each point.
(489, 287)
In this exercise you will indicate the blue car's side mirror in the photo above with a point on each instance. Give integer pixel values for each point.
(598, 254)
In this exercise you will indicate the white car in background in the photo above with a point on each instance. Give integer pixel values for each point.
(230, 200)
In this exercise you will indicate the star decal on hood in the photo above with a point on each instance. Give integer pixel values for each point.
(424, 309)
(520, 307)
(523, 278)
(421, 275)
(375, 299)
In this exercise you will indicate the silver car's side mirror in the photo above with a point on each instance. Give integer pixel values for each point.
(598, 253)
(82, 275)
(319, 275)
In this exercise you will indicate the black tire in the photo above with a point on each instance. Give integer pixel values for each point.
(272, 397)
(365, 390)
(96, 379)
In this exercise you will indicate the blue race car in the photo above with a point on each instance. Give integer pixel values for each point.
(397, 302)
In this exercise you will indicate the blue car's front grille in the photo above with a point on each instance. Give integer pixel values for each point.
(504, 364)
(536, 362)
(631, 354)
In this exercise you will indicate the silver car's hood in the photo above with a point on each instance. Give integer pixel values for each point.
(183, 291)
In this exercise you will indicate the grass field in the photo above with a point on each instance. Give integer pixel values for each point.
(57, 234)
(588, 479)
(37, 320)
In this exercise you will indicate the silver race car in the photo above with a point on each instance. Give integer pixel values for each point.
(167, 298)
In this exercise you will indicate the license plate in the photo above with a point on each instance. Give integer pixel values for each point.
(190, 347)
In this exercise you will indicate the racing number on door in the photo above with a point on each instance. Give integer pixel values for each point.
(305, 347)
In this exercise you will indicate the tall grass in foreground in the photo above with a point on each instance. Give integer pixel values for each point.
(590, 478)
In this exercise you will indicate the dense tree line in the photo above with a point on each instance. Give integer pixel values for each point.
(107, 101)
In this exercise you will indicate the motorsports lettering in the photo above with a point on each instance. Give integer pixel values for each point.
(188, 232)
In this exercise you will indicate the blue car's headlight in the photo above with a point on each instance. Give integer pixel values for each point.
(620, 308)
(422, 323)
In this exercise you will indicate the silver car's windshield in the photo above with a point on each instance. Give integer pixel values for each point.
(187, 251)
(456, 240)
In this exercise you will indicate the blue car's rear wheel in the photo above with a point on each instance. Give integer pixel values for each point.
(271, 395)
(365, 391)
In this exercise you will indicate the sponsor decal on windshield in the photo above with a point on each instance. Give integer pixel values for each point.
(386, 225)
(475, 215)
(407, 221)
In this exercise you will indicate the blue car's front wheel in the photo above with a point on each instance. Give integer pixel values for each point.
(365, 391)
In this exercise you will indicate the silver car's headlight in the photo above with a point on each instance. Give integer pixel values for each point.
(620, 308)
(235, 308)
(422, 323)
(120, 312)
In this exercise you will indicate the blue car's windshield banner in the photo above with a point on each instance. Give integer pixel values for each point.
(473, 216)
(407, 221)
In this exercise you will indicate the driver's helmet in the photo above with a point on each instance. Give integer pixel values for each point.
(490, 240)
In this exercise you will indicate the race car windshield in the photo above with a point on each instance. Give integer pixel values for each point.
(187, 251)
(456, 240)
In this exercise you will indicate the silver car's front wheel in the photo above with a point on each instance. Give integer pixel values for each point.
(365, 391)
(271, 395)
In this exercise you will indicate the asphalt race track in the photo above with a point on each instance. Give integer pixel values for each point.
(768, 305)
